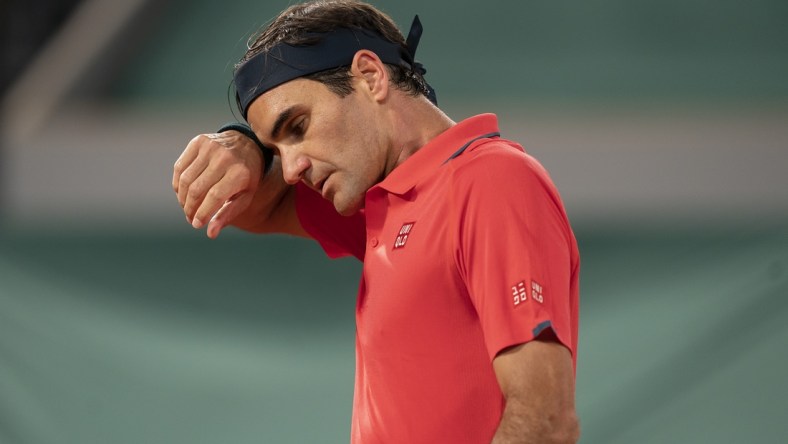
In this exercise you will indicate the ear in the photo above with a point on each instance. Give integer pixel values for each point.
(371, 72)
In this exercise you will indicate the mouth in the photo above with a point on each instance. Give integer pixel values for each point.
(320, 186)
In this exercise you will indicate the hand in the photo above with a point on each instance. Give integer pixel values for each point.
(216, 177)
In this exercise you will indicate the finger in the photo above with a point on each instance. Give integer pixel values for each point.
(206, 196)
(228, 212)
(190, 175)
(185, 159)
(229, 185)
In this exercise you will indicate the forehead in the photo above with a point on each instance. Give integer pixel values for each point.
(269, 105)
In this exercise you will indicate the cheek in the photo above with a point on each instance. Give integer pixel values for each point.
(350, 144)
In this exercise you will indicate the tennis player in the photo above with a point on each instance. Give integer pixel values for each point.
(467, 311)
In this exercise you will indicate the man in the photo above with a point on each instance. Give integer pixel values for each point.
(467, 308)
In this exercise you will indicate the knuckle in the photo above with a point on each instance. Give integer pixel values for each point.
(223, 157)
(215, 194)
(201, 143)
(180, 162)
(186, 179)
(198, 139)
(240, 173)
(216, 156)
(197, 191)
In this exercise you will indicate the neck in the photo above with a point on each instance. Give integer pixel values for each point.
(415, 121)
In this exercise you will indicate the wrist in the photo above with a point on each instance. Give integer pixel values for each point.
(268, 153)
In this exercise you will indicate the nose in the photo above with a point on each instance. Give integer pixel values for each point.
(294, 165)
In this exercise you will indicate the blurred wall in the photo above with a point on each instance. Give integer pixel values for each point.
(682, 102)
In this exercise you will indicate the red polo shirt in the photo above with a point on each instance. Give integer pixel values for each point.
(466, 252)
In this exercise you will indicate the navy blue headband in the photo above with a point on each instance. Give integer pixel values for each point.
(284, 62)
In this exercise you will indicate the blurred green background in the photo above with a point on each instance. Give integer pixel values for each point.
(662, 123)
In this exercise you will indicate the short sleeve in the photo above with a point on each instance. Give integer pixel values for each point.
(514, 247)
(338, 235)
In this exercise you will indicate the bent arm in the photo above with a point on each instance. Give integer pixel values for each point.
(538, 383)
(272, 208)
(219, 182)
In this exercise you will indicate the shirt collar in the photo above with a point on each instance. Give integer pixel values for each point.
(432, 155)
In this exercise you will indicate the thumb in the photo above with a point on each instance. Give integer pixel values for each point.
(228, 212)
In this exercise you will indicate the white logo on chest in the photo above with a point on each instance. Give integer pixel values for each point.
(402, 237)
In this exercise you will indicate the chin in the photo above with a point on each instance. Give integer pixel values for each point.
(348, 208)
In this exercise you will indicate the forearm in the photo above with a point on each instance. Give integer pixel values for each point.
(537, 380)
(522, 424)
(272, 204)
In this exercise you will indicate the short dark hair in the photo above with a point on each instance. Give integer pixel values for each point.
(294, 24)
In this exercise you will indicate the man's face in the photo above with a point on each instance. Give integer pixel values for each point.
(333, 144)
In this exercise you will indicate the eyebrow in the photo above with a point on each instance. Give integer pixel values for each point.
(280, 121)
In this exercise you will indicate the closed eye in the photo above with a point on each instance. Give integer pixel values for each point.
(299, 127)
